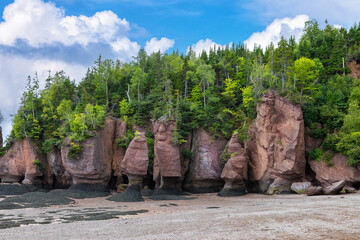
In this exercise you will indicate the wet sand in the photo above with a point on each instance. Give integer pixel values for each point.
(253, 216)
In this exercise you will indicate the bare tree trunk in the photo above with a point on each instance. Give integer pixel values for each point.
(128, 93)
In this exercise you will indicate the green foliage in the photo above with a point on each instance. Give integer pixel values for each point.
(187, 154)
(327, 156)
(306, 72)
(49, 144)
(39, 165)
(217, 91)
(124, 109)
(225, 156)
(330, 142)
(349, 144)
(75, 150)
(316, 154)
(150, 140)
(124, 141)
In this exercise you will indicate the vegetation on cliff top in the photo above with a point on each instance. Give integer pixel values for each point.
(217, 91)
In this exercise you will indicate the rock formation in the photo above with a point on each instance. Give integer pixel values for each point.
(118, 153)
(62, 179)
(205, 167)
(310, 142)
(136, 159)
(25, 163)
(277, 149)
(339, 170)
(235, 171)
(93, 167)
(169, 163)
(134, 166)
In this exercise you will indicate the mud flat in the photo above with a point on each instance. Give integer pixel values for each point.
(206, 216)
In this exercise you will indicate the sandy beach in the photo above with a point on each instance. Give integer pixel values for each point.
(253, 216)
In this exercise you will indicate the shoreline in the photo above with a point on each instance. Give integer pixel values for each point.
(253, 216)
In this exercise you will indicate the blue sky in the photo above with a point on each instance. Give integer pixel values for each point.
(42, 35)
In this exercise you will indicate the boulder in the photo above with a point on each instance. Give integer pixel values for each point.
(169, 163)
(335, 188)
(93, 167)
(349, 189)
(300, 187)
(279, 186)
(339, 170)
(204, 174)
(277, 148)
(235, 170)
(25, 163)
(312, 191)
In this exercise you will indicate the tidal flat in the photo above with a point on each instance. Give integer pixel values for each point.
(204, 216)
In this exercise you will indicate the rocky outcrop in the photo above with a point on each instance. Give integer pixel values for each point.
(167, 154)
(93, 167)
(118, 152)
(277, 148)
(205, 167)
(338, 170)
(62, 179)
(134, 166)
(235, 171)
(136, 159)
(310, 142)
(25, 163)
(170, 165)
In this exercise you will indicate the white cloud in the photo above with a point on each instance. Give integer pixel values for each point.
(285, 27)
(37, 36)
(344, 12)
(161, 45)
(125, 48)
(205, 45)
(14, 71)
(41, 24)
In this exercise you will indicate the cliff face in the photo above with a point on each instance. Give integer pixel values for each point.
(118, 153)
(271, 162)
(170, 165)
(277, 149)
(25, 163)
(205, 167)
(94, 163)
(339, 170)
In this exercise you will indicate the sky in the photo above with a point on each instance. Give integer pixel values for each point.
(42, 35)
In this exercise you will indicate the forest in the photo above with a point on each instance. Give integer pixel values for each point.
(217, 91)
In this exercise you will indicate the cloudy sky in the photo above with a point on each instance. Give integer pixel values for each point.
(41, 35)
